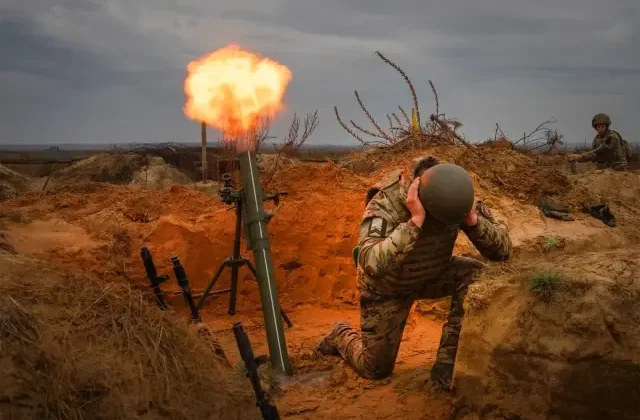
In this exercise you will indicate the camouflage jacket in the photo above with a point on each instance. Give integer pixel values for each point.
(397, 258)
(608, 151)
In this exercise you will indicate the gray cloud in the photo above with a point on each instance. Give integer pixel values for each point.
(112, 70)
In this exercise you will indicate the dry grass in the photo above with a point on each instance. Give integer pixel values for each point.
(73, 349)
(118, 254)
(543, 284)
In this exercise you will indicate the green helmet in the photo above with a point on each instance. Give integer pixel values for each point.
(600, 119)
(447, 194)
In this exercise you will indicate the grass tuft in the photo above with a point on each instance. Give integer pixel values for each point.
(543, 284)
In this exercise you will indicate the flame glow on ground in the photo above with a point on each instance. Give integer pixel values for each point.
(234, 90)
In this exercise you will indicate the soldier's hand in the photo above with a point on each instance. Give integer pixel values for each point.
(573, 157)
(418, 213)
(472, 217)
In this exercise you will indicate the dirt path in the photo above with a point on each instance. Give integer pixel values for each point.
(324, 387)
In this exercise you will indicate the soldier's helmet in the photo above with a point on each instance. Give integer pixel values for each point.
(601, 118)
(446, 192)
(422, 164)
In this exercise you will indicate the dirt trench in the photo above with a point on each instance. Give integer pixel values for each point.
(97, 229)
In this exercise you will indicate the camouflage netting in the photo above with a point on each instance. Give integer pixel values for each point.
(75, 349)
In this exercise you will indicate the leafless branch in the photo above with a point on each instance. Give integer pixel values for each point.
(273, 170)
(395, 117)
(365, 131)
(539, 128)
(445, 128)
(435, 95)
(262, 132)
(406, 78)
(373, 121)
(294, 140)
(347, 129)
(404, 114)
(403, 135)
(552, 139)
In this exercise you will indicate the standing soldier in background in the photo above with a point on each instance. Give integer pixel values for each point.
(609, 150)
(407, 236)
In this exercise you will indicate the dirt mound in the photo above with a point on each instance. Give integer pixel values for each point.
(114, 168)
(620, 189)
(158, 176)
(147, 172)
(269, 163)
(514, 173)
(11, 183)
(511, 184)
(544, 343)
(76, 349)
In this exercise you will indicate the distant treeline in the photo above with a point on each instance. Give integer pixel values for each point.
(100, 147)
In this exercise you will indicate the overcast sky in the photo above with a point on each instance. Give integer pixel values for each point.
(91, 71)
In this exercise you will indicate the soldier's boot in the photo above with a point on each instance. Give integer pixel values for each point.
(620, 166)
(442, 370)
(327, 345)
(441, 374)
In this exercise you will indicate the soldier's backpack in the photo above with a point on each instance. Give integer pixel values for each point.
(625, 144)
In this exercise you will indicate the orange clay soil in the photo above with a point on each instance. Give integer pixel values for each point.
(97, 229)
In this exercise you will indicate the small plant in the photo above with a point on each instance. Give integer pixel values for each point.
(552, 242)
(543, 284)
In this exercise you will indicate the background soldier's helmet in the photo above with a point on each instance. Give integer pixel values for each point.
(448, 194)
(422, 164)
(600, 119)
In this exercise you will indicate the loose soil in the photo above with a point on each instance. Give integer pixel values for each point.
(96, 229)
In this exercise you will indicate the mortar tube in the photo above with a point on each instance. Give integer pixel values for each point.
(255, 222)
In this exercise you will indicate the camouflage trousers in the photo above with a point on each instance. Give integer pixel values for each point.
(616, 166)
(373, 350)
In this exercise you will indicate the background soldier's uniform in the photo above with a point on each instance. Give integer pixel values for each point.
(399, 263)
(608, 152)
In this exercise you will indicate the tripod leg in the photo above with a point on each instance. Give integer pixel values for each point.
(282, 313)
(211, 284)
(286, 318)
(234, 288)
(252, 268)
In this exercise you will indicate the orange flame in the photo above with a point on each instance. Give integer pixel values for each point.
(233, 90)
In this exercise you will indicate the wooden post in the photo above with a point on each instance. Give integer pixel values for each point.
(44, 187)
(203, 137)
